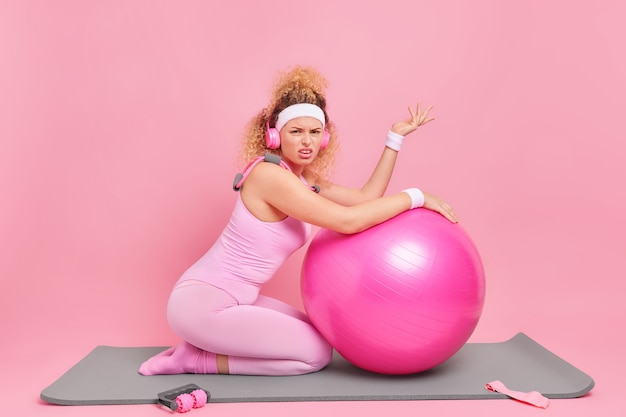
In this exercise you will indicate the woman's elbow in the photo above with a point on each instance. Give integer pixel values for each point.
(351, 226)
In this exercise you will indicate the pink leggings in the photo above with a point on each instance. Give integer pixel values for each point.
(268, 337)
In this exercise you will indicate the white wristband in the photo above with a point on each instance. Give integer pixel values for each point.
(417, 197)
(394, 141)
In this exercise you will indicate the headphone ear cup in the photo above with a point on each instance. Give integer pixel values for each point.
(272, 137)
(325, 139)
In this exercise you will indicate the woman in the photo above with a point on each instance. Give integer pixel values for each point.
(215, 307)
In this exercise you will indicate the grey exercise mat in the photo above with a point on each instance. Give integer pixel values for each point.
(108, 375)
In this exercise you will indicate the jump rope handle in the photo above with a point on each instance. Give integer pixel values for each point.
(269, 157)
(183, 399)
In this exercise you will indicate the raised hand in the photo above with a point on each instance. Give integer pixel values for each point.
(418, 118)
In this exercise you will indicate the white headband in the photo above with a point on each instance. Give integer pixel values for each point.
(300, 110)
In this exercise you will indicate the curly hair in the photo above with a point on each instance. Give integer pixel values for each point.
(299, 85)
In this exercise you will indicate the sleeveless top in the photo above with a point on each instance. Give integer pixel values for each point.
(248, 253)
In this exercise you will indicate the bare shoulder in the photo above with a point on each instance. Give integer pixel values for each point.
(266, 171)
(268, 176)
(262, 184)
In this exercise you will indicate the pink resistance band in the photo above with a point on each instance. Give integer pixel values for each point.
(533, 397)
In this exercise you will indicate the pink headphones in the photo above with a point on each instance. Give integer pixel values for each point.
(272, 137)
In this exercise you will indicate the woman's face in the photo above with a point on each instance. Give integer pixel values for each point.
(300, 141)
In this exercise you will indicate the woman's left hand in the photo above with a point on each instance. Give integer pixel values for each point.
(418, 118)
(435, 203)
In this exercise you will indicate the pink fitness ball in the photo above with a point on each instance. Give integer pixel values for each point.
(399, 298)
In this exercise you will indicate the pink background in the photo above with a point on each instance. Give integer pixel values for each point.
(118, 136)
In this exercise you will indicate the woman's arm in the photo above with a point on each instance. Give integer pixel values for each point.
(378, 181)
(375, 186)
(271, 193)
